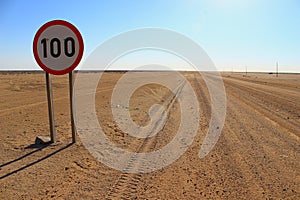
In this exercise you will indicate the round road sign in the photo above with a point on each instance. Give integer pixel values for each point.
(58, 47)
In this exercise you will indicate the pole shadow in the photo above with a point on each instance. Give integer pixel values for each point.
(39, 148)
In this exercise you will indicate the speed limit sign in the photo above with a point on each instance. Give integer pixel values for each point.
(58, 47)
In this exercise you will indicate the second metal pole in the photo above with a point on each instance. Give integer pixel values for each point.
(72, 107)
(276, 69)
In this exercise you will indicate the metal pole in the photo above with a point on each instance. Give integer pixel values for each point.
(50, 107)
(276, 69)
(72, 107)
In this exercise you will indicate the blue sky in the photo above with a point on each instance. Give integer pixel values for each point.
(234, 33)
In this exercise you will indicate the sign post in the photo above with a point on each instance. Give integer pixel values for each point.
(58, 48)
(71, 83)
(50, 107)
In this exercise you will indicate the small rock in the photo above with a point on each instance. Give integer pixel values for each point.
(109, 125)
(42, 140)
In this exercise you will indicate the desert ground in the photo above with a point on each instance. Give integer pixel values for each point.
(256, 157)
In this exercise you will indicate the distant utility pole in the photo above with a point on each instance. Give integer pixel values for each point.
(276, 69)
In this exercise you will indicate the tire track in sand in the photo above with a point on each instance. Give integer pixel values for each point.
(126, 186)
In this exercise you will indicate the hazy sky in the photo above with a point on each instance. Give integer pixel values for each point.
(234, 33)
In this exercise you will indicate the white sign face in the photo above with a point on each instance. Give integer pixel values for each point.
(58, 47)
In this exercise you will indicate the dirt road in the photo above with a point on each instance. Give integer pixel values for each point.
(256, 157)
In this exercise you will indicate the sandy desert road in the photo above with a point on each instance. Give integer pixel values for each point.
(256, 157)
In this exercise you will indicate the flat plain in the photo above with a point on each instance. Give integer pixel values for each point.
(256, 157)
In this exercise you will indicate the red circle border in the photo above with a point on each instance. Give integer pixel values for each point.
(80, 53)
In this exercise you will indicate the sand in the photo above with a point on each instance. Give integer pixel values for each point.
(256, 157)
